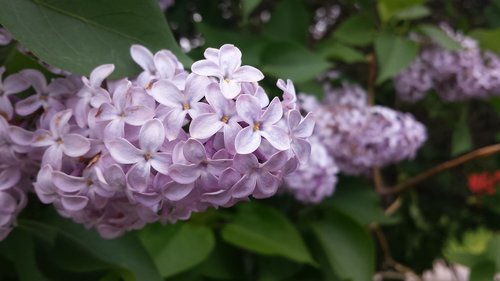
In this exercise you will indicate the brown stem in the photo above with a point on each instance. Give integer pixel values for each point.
(478, 153)
(372, 74)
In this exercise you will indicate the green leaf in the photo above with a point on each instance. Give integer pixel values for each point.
(349, 196)
(393, 55)
(387, 9)
(413, 12)
(79, 35)
(125, 253)
(224, 263)
(291, 61)
(248, 6)
(339, 51)
(483, 271)
(439, 36)
(266, 231)
(349, 248)
(488, 38)
(289, 22)
(276, 269)
(358, 30)
(176, 248)
(461, 140)
(20, 249)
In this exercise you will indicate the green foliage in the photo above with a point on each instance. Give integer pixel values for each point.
(394, 54)
(79, 35)
(266, 231)
(349, 249)
(179, 247)
(488, 38)
(358, 30)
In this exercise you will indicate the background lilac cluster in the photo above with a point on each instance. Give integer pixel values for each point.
(359, 137)
(115, 155)
(454, 75)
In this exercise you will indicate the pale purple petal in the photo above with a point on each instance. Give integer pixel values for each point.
(74, 203)
(184, 174)
(161, 162)
(205, 125)
(53, 157)
(143, 57)
(9, 177)
(167, 94)
(273, 113)
(152, 135)
(138, 115)
(196, 87)
(28, 105)
(124, 152)
(173, 123)
(165, 66)
(276, 136)
(100, 73)
(230, 88)
(248, 108)
(194, 151)
(302, 149)
(21, 136)
(42, 138)
(6, 107)
(206, 68)
(229, 59)
(267, 185)
(231, 130)
(138, 175)
(248, 140)
(114, 129)
(276, 162)
(294, 118)
(17, 83)
(175, 191)
(75, 145)
(67, 183)
(247, 74)
(245, 163)
(244, 187)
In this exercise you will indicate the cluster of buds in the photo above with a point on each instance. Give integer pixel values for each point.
(454, 75)
(360, 137)
(483, 182)
(115, 155)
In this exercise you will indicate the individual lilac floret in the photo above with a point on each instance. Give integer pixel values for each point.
(260, 125)
(12, 201)
(5, 38)
(12, 84)
(315, 181)
(225, 64)
(289, 95)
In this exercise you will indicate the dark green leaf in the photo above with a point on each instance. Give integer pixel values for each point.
(483, 271)
(393, 55)
(461, 139)
(439, 36)
(290, 61)
(348, 246)
(125, 253)
(248, 6)
(20, 249)
(79, 35)
(414, 12)
(358, 30)
(339, 51)
(276, 269)
(176, 248)
(224, 263)
(389, 8)
(289, 22)
(266, 231)
(488, 38)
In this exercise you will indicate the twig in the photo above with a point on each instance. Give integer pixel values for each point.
(478, 153)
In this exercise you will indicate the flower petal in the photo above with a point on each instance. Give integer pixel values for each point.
(229, 59)
(247, 74)
(99, 74)
(175, 191)
(196, 87)
(166, 93)
(302, 150)
(143, 57)
(244, 187)
(205, 125)
(230, 88)
(75, 145)
(67, 183)
(53, 156)
(248, 108)
(124, 152)
(194, 151)
(9, 177)
(267, 185)
(277, 137)
(245, 163)
(273, 113)
(173, 123)
(28, 105)
(276, 162)
(206, 68)
(306, 127)
(152, 135)
(165, 66)
(138, 115)
(17, 83)
(74, 203)
(247, 141)
(184, 174)
(161, 162)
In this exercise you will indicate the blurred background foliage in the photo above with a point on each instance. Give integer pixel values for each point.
(350, 236)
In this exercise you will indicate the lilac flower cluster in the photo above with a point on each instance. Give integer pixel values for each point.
(116, 155)
(454, 75)
(360, 137)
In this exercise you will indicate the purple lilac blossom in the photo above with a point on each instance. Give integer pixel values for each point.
(455, 75)
(5, 37)
(116, 155)
(360, 137)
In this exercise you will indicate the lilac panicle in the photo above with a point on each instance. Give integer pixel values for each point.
(115, 155)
